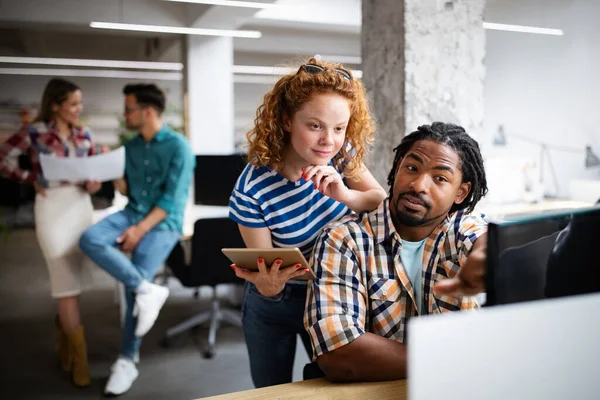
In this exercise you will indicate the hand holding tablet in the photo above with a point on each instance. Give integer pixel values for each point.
(290, 257)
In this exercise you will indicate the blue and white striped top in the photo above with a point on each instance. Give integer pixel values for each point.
(295, 212)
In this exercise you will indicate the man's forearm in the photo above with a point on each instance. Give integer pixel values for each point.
(152, 219)
(121, 186)
(368, 358)
(365, 201)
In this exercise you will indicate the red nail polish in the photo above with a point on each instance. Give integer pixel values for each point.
(307, 270)
(298, 266)
(232, 267)
(278, 262)
(260, 260)
(315, 186)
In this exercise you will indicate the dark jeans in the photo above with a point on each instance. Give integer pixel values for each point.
(270, 328)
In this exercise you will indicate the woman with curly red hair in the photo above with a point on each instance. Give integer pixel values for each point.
(305, 170)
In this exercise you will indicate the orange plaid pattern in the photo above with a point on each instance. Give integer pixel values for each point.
(362, 286)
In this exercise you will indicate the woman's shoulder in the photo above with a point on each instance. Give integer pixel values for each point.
(254, 178)
(35, 128)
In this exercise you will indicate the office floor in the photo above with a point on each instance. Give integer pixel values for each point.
(29, 368)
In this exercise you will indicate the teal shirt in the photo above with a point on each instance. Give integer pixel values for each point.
(159, 174)
(411, 254)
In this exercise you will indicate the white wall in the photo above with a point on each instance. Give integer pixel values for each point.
(545, 87)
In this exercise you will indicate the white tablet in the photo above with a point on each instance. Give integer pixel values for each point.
(246, 258)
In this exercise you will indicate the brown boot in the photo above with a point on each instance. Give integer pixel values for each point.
(78, 350)
(62, 345)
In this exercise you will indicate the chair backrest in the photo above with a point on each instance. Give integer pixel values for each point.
(177, 265)
(209, 266)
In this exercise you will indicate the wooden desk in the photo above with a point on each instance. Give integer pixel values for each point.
(323, 390)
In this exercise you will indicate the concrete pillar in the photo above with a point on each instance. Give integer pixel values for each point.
(209, 90)
(423, 61)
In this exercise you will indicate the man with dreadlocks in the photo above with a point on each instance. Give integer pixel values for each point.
(377, 270)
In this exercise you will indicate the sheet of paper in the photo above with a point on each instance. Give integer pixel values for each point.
(101, 167)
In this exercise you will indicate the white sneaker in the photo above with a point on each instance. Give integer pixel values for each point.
(148, 305)
(123, 373)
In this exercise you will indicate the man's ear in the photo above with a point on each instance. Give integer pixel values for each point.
(287, 123)
(463, 192)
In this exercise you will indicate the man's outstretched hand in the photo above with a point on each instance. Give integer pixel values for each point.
(470, 278)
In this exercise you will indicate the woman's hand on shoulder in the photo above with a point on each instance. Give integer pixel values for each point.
(328, 181)
(270, 281)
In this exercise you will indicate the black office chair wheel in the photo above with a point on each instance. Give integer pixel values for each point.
(209, 353)
(165, 343)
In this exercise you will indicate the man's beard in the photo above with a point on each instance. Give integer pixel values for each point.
(412, 220)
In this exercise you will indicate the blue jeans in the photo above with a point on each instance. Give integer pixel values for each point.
(98, 242)
(270, 327)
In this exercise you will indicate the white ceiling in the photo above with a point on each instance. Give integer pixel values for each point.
(60, 28)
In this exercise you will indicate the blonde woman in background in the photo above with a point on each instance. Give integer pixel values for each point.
(63, 210)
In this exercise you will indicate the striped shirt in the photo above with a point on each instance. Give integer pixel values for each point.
(362, 286)
(295, 212)
(41, 138)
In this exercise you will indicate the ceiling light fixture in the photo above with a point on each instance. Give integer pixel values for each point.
(339, 59)
(231, 3)
(522, 28)
(177, 30)
(94, 73)
(263, 70)
(74, 62)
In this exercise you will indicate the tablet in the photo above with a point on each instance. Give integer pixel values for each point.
(246, 258)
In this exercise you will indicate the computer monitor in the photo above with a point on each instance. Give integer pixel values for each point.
(544, 256)
(215, 177)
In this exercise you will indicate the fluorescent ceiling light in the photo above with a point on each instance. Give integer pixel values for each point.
(242, 73)
(255, 79)
(94, 73)
(176, 29)
(262, 70)
(230, 3)
(73, 62)
(339, 59)
(522, 28)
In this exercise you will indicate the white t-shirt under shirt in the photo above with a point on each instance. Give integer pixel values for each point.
(295, 212)
(411, 254)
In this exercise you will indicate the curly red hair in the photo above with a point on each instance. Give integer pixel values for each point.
(268, 139)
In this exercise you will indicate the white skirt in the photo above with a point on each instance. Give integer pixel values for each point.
(60, 219)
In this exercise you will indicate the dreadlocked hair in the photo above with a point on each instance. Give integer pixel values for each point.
(467, 148)
(268, 139)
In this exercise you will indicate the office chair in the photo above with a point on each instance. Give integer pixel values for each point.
(208, 267)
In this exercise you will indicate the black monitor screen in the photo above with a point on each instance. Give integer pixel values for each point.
(543, 257)
(215, 177)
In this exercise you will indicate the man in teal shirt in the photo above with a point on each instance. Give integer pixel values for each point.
(158, 170)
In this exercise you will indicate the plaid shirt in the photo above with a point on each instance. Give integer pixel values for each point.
(362, 286)
(41, 138)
